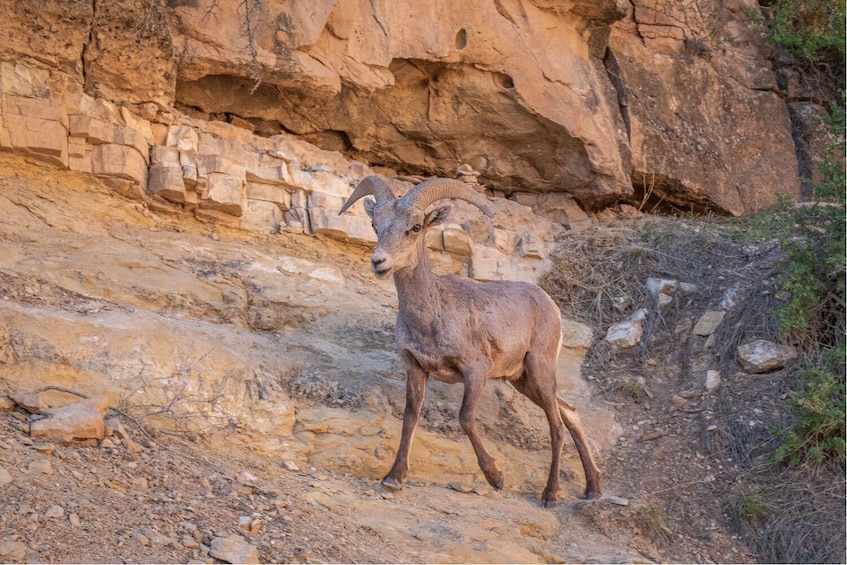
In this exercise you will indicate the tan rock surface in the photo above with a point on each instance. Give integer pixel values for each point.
(602, 101)
(707, 126)
(192, 326)
(263, 389)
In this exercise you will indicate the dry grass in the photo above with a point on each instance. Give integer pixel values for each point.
(754, 317)
(795, 516)
(598, 278)
(652, 521)
(599, 275)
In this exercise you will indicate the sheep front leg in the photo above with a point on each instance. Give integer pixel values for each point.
(415, 389)
(474, 384)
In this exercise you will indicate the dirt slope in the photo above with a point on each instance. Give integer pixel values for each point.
(268, 451)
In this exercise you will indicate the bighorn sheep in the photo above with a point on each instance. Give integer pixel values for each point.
(459, 330)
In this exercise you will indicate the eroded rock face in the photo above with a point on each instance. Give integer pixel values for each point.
(707, 126)
(283, 343)
(604, 101)
(228, 175)
(511, 90)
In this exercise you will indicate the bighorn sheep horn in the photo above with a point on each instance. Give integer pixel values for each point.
(369, 186)
(431, 190)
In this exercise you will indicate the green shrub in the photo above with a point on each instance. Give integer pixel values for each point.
(807, 27)
(814, 314)
(748, 511)
(820, 430)
(813, 294)
(813, 280)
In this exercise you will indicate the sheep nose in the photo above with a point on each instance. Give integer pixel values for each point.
(378, 259)
(380, 263)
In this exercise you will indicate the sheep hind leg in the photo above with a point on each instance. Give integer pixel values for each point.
(574, 425)
(415, 389)
(547, 400)
(473, 389)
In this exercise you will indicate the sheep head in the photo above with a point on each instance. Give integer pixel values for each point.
(400, 223)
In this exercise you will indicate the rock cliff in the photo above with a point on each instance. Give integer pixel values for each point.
(649, 102)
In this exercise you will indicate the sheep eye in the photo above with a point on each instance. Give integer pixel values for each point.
(416, 227)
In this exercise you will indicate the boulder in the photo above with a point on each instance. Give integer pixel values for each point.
(77, 421)
(762, 356)
(35, 126)
(233, 549)
(261, 216)
(576, 336)
(223, 193)
(708, 323)
(27, 400)
(625, 334)
(166, 182)
(121, 161)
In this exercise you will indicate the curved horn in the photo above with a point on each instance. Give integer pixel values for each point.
(431, 190)
(369, 186)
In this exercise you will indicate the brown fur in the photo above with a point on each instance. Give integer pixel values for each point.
(458, 330)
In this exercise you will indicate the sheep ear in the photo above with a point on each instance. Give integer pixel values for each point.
(369, 207)
(437, 216)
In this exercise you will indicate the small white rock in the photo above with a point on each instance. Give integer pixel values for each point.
(41, 466)
(625, 334)
(688, 288)
(661, 286)
(55, 511)
(730, 298)
(233, 549)
(639, 315)
(248, 478)
(12, 551)
(762, 356)
(708, 323)
(713, 380)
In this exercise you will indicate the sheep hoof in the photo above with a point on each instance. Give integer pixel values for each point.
(549, 500)
(591, 494)
(496, 481)
(392, 484)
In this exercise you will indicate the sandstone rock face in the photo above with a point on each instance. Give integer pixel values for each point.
(279, 342)
(602, 101)
(226, 174)
(385, 83)
(706, 125)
